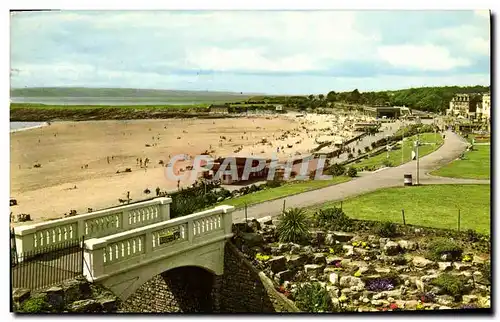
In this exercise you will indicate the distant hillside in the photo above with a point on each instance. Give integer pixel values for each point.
(137, 94)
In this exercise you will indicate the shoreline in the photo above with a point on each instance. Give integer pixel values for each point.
(29, 128)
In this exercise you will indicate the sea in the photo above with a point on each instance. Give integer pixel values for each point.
(20, 126)
(99, 101)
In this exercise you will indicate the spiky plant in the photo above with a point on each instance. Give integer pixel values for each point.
(293, 226)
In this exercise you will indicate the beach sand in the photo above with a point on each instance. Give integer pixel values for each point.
(74, 154)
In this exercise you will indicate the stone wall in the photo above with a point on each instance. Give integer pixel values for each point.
(74, 296)
(244, 289)
(183, 289)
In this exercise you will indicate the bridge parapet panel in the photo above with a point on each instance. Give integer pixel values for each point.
(116, 253)
(96, 224)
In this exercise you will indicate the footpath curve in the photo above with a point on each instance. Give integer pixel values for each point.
(452, 148)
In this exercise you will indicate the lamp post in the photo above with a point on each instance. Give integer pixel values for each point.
(387, 145)
(403, 144)
(417, 143)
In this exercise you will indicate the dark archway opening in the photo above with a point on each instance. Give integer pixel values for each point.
(186, 289)
(191, 287)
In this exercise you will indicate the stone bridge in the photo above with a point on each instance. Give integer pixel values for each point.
(126, 246)
(154, 263)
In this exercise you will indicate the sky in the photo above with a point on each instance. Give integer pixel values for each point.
(274, 52)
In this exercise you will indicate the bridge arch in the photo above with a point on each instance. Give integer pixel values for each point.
(209, 257)
(181, 289)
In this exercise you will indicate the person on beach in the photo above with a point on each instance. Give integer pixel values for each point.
(140, 162)
(157, 191)
(107, 158)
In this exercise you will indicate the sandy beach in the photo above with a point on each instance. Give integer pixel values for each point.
(79, 160)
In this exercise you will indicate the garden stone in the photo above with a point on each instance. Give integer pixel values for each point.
(313, 270)
(294, 249)
(372, 239)
(252, 239)
(342, 237)
(422, 262)
(330, 269)
(361, 251)
(275, 251)
(334, 278)
(446, 300)
(254, 225)
(284, 247)
(401, 268)
(382, 270)
(466, 299)
(407, 245)
(319, 259)
(108, 304)
(377, 302)
(445, 266)
(349, 250)
(346, 291)
(55, 296)
(348, 281)
(330, 260)
(268, 220)
(477, 260)
(330, 239)
(428, 278)
(365, 300)
(420, 285)
(277, 264)
(367, 258)
(295, 261)
(382, 241)
(446, 257)
(86, 306)
(443, 307)
(391, 248)
(394, 294)
(461, 266)
(318, 237)
(19, 295)
(308, 250)
(411, 304)
(437, 290)
(379, 296)
(345, 261)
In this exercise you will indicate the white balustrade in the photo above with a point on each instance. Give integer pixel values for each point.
(110, 254)
(91, 225)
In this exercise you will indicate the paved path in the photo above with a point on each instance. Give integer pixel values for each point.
(453, 146)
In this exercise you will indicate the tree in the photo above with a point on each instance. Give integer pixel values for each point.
(321, 97)
(311, 97)
(331, 96)
(355, 96)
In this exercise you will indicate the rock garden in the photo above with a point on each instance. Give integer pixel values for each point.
(327, 262)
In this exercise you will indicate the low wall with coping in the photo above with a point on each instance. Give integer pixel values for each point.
(37, 237)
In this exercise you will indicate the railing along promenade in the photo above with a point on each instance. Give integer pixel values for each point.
(120, 252)
(50, 234)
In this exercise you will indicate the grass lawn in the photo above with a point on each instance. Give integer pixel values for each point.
(431, 206)
(476, 165)
(395, 155)
(287, 189)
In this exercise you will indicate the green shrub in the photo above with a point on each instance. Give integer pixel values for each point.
(472, 236)
(273, 183)
(293, 226)
(450, 284)
(312, 297)
(387, 163)
(485, 270)
(34, 305)
(442, 247)
(352, 172)
(336, 170)
(386, 229)
(334, 219)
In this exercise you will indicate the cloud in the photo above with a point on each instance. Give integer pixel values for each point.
(426, 57)
(178, 49)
